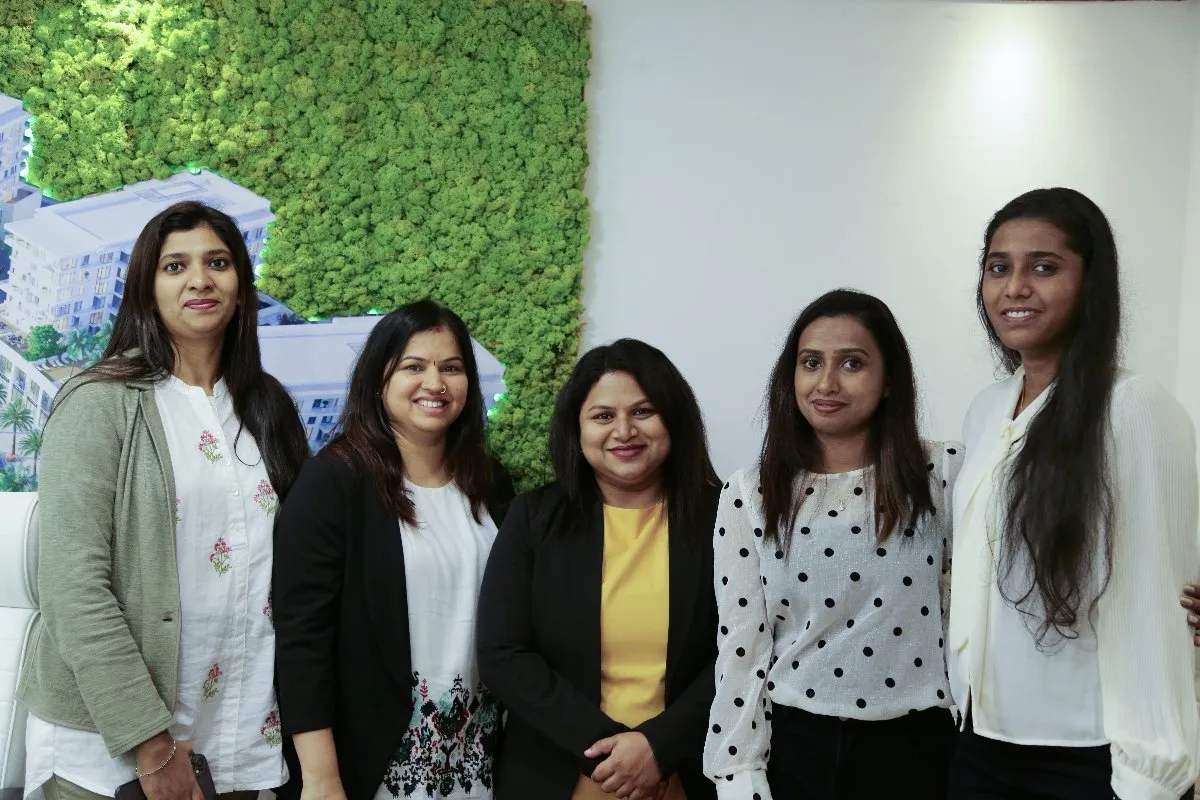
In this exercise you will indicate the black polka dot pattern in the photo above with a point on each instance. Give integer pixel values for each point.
(829, 612)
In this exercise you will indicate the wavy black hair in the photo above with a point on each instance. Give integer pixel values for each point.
(687, 469)
(140, 348)
(790, 448)
(1059, 501)
(365, 439)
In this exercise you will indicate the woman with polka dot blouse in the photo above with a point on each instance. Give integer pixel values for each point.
(1074, 518)
(830, 555)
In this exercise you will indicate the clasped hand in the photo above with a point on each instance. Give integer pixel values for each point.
(630, 772)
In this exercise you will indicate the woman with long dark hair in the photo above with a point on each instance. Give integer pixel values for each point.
(1075, 516)
(162, 469)
(596, 615)
(830, 556)
(383, 545)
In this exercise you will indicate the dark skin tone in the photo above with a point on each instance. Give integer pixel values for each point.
(1191, 601)
(1030, 286)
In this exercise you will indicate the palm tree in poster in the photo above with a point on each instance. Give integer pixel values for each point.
(19, 417)
(77, 344)
(16, 479)
(31, 445)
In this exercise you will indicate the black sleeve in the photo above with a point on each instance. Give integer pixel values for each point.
(310, 546)
(677, 734)
(511, 668)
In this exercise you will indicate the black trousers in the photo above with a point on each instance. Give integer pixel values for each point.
(987, 769)
(815, 757)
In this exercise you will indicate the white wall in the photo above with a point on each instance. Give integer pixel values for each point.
(747, 156)
(1187, 384)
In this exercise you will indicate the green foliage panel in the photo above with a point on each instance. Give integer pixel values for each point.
(410, 148)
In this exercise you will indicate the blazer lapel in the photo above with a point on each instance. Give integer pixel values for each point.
(684, 577)
(585, 557)
(386, 586)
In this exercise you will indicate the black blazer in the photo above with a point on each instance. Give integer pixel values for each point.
(538, 633)
(341, 618)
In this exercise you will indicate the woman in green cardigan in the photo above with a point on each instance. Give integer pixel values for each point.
(162, 469)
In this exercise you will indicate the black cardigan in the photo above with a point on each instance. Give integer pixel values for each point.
(341, 618)
(538, 633)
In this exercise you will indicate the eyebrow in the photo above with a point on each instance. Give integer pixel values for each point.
(424, 359)
(177, 256)
(845, 351)
(1031, 254)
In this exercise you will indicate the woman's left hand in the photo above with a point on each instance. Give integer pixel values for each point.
(630, 772)
(1191, 601)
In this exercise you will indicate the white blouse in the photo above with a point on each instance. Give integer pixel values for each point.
(1127, 680)
(225, 704)
(836, 624)
(447, 751)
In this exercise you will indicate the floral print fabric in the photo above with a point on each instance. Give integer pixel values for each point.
(224, 513)
(447, 750)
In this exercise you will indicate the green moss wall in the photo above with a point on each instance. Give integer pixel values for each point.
(409, 148)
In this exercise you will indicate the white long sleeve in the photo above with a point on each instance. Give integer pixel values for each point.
(741, 708)
(1144, 645)
(1125, 681)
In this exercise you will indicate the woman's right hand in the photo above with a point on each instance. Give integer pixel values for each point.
(322, 789)
(175, 781)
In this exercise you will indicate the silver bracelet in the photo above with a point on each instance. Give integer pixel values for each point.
(139, 774)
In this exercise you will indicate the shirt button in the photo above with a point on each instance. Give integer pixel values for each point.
(236, 492)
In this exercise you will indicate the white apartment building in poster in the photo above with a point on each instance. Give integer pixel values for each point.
(69, 260)
(13, 146)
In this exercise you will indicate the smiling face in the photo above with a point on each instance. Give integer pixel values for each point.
(195, 285)
(1031, 287)
(839, 377)
(622, 435)
(428, 389)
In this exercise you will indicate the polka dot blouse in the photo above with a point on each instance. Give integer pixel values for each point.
(836, 623)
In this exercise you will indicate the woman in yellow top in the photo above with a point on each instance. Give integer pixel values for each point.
(597, 620)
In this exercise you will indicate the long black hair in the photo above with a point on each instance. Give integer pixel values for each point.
(365, 439)
(687, 469)
(1059, 502)
(790, 448)
(140, 348)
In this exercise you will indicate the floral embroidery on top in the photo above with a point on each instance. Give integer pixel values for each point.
(209, 447)
(449, 742)
(219, 557)
(265, 497)
(269, 610)
(212, 683)
(270, 730)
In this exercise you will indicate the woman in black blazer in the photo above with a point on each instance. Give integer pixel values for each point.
(404, 487)
(627, 437)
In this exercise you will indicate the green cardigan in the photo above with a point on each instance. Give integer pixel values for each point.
(104, 654)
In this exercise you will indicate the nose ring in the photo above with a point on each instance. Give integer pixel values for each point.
(443, 389)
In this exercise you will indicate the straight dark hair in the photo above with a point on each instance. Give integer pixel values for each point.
(365, 440)
(687, 469)
(790, 448)
(140, 348)
(1059, 502)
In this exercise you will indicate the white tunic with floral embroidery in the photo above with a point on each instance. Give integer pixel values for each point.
(447, 751)
(226, 703)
